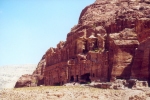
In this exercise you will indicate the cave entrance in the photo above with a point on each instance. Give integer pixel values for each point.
(72, 79)
(85, 78)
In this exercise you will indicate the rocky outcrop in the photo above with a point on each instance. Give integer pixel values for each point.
(110, 41)
(34, 79)
(9, 74)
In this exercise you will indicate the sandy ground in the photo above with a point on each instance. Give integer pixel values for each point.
(73, 93)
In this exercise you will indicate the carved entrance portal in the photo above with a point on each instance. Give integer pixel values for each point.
(85, 78)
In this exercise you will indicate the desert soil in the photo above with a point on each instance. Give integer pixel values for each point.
(73, 93)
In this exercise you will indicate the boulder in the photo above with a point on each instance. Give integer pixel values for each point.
(35, 79)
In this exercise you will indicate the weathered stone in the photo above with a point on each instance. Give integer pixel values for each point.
(135, 84)
(104, 45)
(36, 79)
(26, 81)
(111, 41)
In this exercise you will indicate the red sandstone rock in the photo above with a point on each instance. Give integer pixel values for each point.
(36, 79)
(111, 40)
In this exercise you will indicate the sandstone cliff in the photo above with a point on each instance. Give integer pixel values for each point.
(111, 40)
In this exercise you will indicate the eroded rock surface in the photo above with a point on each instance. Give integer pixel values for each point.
(33, 79)
(111, 41)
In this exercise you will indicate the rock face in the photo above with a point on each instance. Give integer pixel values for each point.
(34, 79)
(110, 41)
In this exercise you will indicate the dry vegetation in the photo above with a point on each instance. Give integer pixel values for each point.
(72, 93)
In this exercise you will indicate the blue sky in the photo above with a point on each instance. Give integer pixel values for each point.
(29, 27)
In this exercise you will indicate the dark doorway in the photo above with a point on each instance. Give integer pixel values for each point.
(40, 82)
(86, 77)
(119, 77)
(72, 79)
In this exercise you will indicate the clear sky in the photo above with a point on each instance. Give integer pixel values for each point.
(28, 28)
